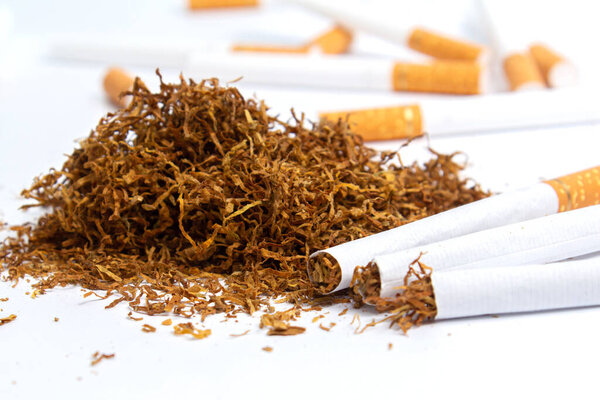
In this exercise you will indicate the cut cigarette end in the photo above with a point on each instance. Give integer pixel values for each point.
(324, 272)
(207, 4)
(117, 81)
(522, 72)
(581, 189)
(382, 123)
(367, 282)
(438, 77)
(415, 305)
(557, 71)
(334, 41)
(445, 48)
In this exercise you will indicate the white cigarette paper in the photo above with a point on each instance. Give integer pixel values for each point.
(534, 287)
(541, 240)
(519, 205)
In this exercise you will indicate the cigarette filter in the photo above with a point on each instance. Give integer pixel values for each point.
(540, 240)
(534, 287)
(443, 47)
(335, 41)
(419, 39)
(206, 4)
(522, 72)
(536, 201)
(471, 114)
(557, 71)
(116, 81)
(345, 72)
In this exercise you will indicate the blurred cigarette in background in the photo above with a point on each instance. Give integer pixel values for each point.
(556, 71)
(207, 4)
(519, 66)
(334, 41)
(425, 41)
(471, 114)
(343, 72)
(117, 81)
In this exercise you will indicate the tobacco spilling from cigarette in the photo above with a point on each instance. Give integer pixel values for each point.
(194, 201)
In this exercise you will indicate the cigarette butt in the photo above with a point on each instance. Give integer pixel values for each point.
(334, 41)
(207, 4)
(117, 81)
(557, 71)
(258, 48)
(577, 190)
(382, 123)
(443, 47)
(438, 77)
(522, 72)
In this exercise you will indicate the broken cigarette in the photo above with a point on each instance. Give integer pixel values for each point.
(207, 4)
(334, 41)
(435, 295)
(345, 72)
(471, 114)
(556, 70)
(425, 41)
(116, 82)
(332, 269)
(541, 240)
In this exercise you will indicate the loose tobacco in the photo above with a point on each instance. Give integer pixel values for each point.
(195, 201)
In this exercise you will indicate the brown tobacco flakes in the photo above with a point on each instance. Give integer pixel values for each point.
(189, 329)
(97, 357)
(278, 325)
(240, 334)
(167, 322)
(130, 315)
(6, 320)
(268, 349)
(4, 299)
(148, 328)
(195, 201)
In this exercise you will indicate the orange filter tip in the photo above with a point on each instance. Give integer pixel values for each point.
(443, 47)
(117, 81)
(207, 4)
(334, 41)
(451, 77)
(258, 48)
(382, 123)
(577, 190)
(522, 72)
(556, 71)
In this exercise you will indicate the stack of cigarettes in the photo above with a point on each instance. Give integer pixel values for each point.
(501, 244)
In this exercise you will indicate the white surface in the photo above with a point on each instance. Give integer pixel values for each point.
(46, 105)
(510, 289)
(540, 240)
(513, 206)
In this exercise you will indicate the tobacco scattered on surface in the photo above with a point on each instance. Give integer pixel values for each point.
(148, 328)
(97, 357)
(6, 320)
(194, 201)
(189, 329)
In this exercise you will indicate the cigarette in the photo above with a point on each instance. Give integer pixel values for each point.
(522, 72)
(116, 82)
(345, 72)
(425, 41)
(538, 200)
(207, 4)
(471, 114)
(557, 71)
(540, 240)
(436, 295)
(334, 41)
(520, 69)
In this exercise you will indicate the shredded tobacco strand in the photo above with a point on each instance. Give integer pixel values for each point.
(97, 357)
(194, 201)
(6, 320)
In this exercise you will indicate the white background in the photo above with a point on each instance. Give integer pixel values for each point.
(46, 104)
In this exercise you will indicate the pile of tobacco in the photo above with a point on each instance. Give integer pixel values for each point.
(194, 200)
